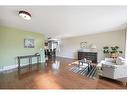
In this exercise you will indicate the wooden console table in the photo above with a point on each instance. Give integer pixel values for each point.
(30, 60)
(88, 55)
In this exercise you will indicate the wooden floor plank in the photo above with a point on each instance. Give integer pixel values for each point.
(47, 76)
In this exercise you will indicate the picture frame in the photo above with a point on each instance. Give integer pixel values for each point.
(29, 43)
(83, 45)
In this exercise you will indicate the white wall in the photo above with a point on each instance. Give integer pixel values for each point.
(70, 46)
(126, 43)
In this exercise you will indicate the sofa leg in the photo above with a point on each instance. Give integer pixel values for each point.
(125, 83)
(100, 77)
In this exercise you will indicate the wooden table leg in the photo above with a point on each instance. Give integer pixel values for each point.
(38, 62)
(37, 59)
(30, 63)
(18, 64)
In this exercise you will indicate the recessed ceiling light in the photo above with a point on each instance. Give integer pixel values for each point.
(25, 15)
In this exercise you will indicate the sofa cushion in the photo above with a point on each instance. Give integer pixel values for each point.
(111, 60)
(109, 66)
(120, 61)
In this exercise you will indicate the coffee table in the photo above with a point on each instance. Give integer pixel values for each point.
(91, 69)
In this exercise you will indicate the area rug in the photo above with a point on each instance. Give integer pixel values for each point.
(90, 72)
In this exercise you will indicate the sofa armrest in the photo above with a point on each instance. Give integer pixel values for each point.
(120, 71)
(114, 71)
(108, 71)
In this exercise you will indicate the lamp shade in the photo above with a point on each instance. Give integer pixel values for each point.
(93, 46)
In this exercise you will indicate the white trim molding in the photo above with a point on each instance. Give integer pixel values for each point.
(126, 43)
(10, 67)
(4, 68)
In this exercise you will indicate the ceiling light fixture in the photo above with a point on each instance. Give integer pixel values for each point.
(25, 15)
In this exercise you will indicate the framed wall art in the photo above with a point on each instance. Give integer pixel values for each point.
(83, 45)
(29, 43)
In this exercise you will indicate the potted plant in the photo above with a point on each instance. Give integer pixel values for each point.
(106, 51)
(113, 52)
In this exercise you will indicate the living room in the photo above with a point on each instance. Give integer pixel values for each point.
(64, 31)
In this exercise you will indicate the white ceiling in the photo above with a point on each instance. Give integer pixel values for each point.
(65, 21)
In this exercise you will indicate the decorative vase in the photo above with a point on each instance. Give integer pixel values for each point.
(114, 55)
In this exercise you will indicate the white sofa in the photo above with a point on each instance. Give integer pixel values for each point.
(111, 70)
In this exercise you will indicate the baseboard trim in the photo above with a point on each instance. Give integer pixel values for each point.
(5, 68)
(10, 67)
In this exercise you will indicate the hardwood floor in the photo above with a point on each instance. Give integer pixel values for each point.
(53, 76)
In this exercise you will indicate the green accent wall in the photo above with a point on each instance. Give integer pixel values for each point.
(12, 45)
